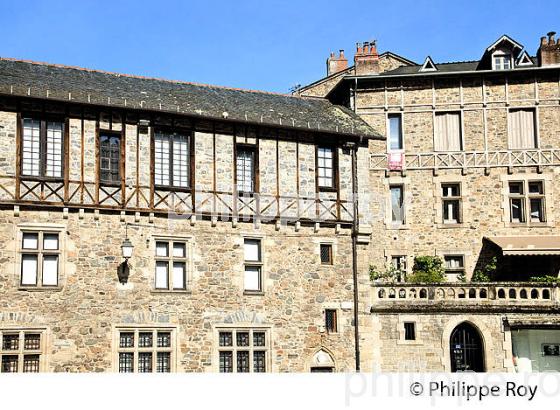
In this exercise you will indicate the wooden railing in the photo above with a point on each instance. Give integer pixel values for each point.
(524, 292)
(221, 205)
(469, 159)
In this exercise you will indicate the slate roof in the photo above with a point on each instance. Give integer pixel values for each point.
(63, 83)
(453, 67)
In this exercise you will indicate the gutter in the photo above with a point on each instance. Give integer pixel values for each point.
(353, 149)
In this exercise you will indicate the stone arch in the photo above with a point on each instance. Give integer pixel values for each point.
(322, 361)
(485, 337)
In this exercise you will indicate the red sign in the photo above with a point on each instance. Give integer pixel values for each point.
(395, 161)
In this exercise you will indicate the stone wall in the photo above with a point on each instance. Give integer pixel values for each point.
(485, 208)
(80, 316)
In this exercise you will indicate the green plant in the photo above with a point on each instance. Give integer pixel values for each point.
(487, 273)
(480, 276)
(544, 279)
(389, 274)
(427, 269)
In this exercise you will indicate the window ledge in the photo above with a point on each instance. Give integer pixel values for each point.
(394, 226)
(452, 226)
(40, 289)
(410, 342)
(530, 225)
(253, 293)
(168, 291)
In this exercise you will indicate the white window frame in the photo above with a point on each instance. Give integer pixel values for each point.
(526, 198)
(45, 156)
(172, 138)
(402, 221)
(170, 259)
(504, 57)
(321, 170)
(454, 270)
(449, 198)
(40, 230)
(388, 119)
(251, 264)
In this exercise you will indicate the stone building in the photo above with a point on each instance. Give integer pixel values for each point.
(468, 172)
(149, 225)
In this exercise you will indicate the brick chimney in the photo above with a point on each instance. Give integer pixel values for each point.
(549, 51)
(366, 59)
(336, 64)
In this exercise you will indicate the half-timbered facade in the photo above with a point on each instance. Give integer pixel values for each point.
(234, 211)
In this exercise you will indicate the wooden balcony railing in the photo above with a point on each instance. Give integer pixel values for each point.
(222, 205)
(467, 159)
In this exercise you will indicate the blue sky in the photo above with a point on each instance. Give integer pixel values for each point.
(269, 45)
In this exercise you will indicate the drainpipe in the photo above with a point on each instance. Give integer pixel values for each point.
(353, 150)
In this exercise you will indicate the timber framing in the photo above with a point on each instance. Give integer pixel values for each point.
(78, 191)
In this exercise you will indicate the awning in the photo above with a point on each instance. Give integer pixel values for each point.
(528, 245)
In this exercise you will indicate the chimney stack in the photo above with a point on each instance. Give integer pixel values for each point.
(336, 64)
(549, 50)
(366, 59)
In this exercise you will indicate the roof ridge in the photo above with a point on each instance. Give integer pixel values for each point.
(141, 77)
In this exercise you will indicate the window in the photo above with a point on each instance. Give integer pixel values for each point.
(398, 262)
(451, 203)
(40, 259)
(522, 129)
(325, 167)
(171, 265)
(397, 203)
(21, 351)
(527, 195)
(110, 158)
(243, 350)
(395, 132)
(409, 331)
(253, 265)
(245, 169)
(454, 265)
(501, 61)
(42, 148)
(145, 350)
(331, 324)
(447, 131)
(326, 254)
(171, 159)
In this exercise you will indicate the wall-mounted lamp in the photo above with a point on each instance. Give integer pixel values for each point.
(124, 269)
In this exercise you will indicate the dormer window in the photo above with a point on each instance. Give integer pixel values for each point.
(501, 62)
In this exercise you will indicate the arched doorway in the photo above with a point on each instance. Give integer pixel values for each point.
(466, 349)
